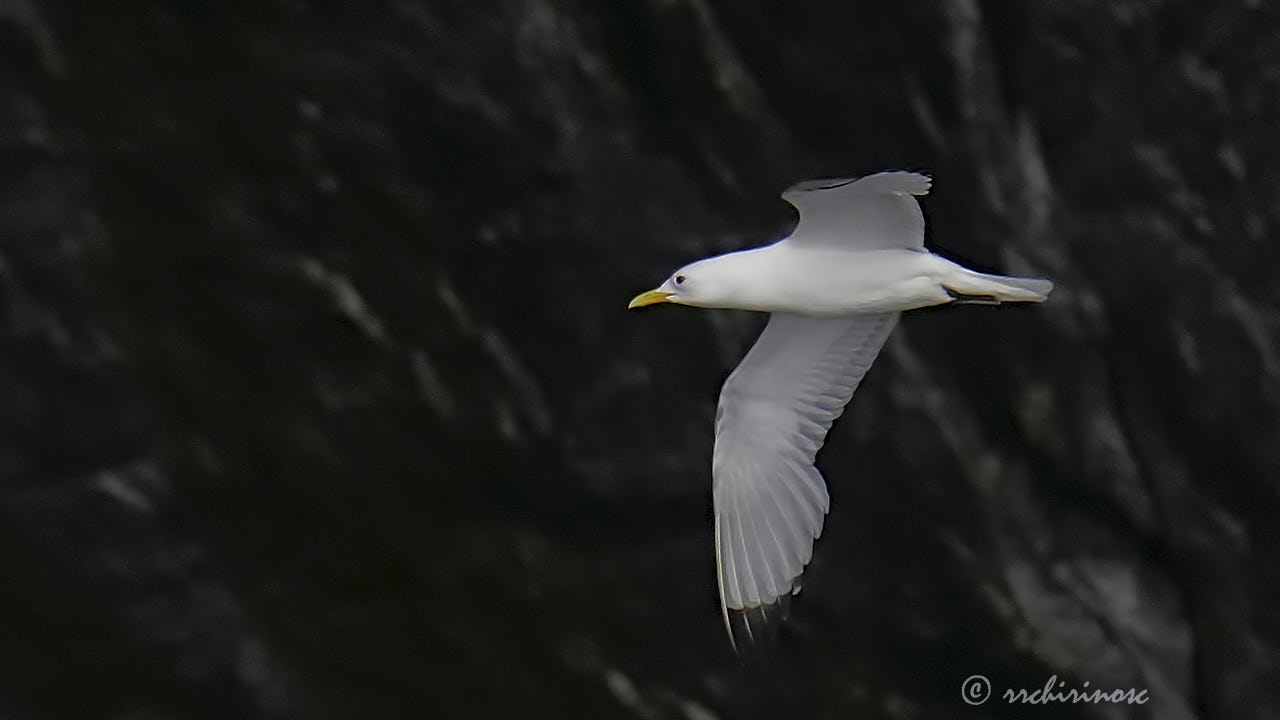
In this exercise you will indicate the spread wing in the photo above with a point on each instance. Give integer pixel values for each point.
(774, 413)
(876, 212)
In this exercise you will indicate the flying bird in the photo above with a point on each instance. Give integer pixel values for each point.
(835, 287)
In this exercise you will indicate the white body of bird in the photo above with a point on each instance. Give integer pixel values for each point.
(785, 277)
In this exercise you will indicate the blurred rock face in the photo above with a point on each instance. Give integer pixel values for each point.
(320, 399)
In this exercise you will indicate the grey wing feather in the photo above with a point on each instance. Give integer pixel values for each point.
(774, 413)
(876, 212)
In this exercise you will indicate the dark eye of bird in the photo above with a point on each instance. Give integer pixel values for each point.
(679, 279)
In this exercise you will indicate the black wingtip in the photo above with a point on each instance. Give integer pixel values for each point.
(754, 631)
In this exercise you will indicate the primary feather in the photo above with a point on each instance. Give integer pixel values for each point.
(774, 413)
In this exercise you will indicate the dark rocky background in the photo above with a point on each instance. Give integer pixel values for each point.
(318, 398)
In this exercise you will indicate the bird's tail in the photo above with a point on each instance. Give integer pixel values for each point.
(970, 286)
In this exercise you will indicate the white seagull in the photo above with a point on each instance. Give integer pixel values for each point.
(835, 288)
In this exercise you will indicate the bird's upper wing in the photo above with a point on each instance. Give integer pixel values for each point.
(876, 212)
(774, 413)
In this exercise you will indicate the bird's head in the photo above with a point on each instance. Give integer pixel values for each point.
(697, 284)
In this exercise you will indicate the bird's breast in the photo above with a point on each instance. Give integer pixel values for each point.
(824, 282)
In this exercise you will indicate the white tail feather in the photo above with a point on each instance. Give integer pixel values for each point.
(1004, 288)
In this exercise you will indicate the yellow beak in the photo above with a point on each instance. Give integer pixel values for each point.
(648, 298)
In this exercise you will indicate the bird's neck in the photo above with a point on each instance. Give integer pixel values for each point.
(743, 276)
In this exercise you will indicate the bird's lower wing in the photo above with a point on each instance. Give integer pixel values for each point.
(774, 413)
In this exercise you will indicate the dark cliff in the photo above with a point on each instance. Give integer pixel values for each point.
(319, 398)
